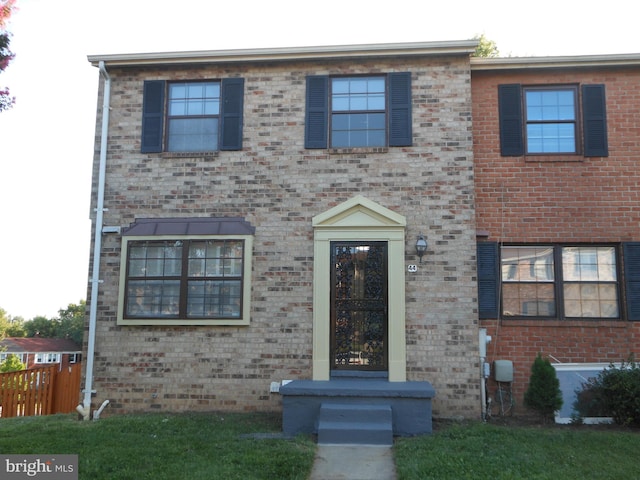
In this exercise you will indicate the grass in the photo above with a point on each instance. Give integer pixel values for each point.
(155, 446)
(485, 451)
(205, 446)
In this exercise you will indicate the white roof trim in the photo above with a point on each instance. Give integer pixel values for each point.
(529, 63)
(453, 47)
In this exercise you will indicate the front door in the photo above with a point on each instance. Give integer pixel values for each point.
(359, 306)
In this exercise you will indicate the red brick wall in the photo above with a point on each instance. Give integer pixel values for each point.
(559, 199)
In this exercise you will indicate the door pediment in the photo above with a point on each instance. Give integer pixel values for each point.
(359, 212)
(360, 220)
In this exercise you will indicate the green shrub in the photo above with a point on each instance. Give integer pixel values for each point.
(543, 394)
(615, 393)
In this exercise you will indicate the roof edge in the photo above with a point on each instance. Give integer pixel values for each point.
(554, 62)
(327, 52)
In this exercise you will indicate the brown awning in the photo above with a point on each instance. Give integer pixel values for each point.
(189, 226)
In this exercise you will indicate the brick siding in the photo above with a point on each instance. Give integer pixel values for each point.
(278, 186)
(562, 199)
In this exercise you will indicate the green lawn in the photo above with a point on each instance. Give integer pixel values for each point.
(155, 446)
(486, 451)
(211, 446)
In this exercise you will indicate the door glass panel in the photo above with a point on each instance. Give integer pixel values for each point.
(359, 309)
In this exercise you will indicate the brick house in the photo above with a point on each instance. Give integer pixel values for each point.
(37, 351)
(258, 214)
(558, 208)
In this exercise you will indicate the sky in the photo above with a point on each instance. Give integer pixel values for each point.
(47, 139)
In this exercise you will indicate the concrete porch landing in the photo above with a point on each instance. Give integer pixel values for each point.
(410, 402)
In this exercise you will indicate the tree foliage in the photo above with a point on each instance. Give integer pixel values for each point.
(68, 324)
(486, 48)
(12, 364)
(7, 7)
(10, 326)
(543, 393)
(615, 393)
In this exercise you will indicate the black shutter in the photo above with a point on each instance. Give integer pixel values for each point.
(631, 251)
(317, 112)
(594, 119)
(488, 280)
(400, 109)
(231, 106)
(152, 116)
(510, 111)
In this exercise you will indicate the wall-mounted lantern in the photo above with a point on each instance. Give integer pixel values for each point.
(421, 246)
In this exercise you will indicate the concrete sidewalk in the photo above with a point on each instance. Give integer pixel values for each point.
(353, 462)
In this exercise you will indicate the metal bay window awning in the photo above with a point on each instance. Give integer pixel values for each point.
(143, 227)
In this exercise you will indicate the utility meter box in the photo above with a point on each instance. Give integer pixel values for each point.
(503, 370)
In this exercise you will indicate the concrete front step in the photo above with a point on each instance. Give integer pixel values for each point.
(355, 424)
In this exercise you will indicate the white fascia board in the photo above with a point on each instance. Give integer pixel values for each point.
(454, 47)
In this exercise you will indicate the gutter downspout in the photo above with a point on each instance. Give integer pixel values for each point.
(85, 408)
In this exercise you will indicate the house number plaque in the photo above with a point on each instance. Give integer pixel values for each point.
(412, 268)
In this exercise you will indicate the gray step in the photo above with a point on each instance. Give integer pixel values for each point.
(355, 424)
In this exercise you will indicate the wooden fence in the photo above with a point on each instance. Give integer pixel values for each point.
(40, 391)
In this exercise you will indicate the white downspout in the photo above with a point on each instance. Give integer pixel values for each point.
(484, 372)
(85, 408)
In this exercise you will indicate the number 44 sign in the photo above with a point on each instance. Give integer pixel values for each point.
(412, 268)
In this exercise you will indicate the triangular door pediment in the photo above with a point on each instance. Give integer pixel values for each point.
(359, 212)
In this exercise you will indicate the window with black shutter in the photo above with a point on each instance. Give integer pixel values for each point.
(546, 120)
(358, 111)
(192, 116)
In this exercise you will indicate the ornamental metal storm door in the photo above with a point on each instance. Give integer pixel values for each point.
(359, 308)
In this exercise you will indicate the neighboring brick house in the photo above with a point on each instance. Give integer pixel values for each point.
(258, 213)
(37, 351)
(557, 155)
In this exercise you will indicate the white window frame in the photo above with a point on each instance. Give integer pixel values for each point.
(47, 358)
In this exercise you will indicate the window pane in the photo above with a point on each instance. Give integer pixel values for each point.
(193, 135)
(340, 139)
(589, 264)
(340, 85)
(527, 264)
(214, 299)
(376, 121)
(584, 270)
(550, 105)
(528, 300)
(358, 130)
(157, 298)
(551, 138)
(591, 300)
(376, 138)
(178, 90)
(340, 104)
(177, 107)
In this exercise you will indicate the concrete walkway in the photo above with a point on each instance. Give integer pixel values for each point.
(353, 462)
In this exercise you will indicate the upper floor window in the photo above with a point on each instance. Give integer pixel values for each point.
(199, 116)
(199, 272)
(358, 111)
(193, 116)
(552, 120)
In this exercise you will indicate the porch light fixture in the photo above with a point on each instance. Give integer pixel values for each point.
(421, 246)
